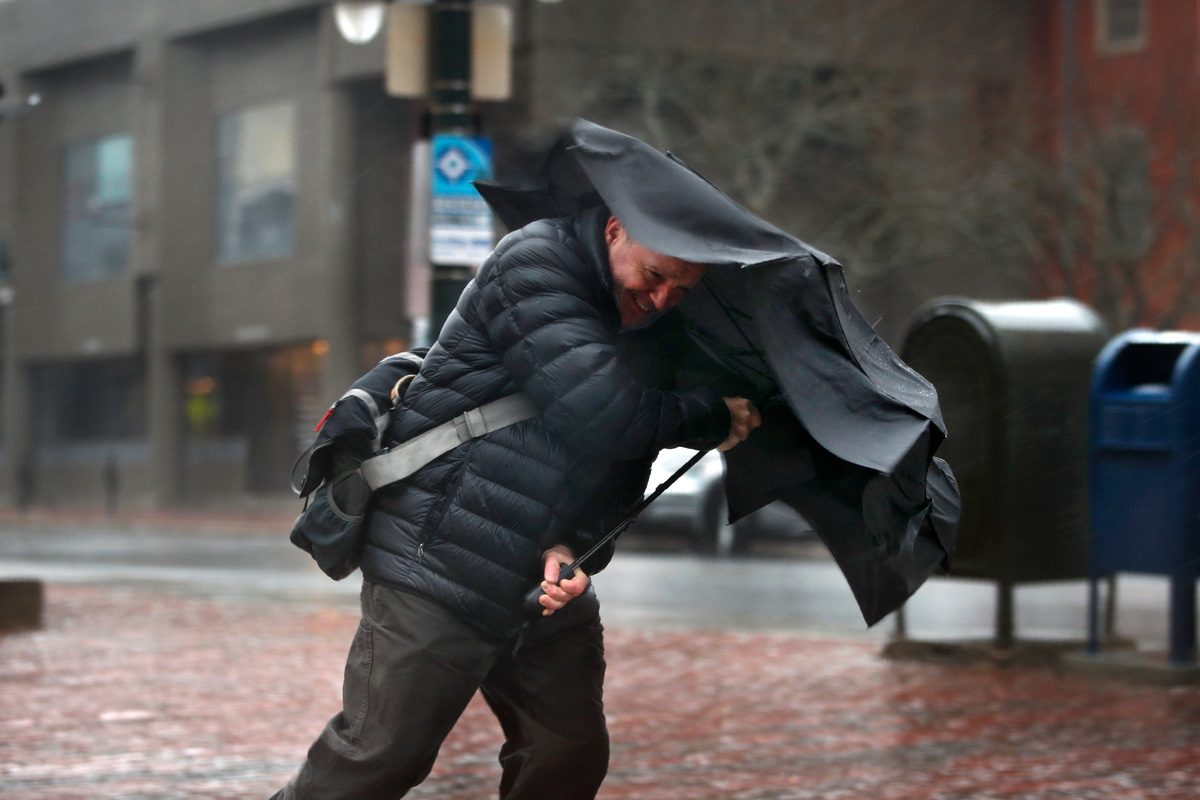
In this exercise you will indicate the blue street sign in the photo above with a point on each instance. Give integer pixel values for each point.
(458, 160)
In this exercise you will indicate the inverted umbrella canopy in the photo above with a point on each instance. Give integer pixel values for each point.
(849, 431)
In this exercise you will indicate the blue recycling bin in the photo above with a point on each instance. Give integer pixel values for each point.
(1145, 472)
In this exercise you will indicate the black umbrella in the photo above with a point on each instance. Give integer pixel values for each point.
(849, 431)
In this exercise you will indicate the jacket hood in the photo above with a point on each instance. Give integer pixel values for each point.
(589, 229)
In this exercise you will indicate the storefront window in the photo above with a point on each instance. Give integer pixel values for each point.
(90, 401)
(96, 208)
(251, 410)
(256, 184)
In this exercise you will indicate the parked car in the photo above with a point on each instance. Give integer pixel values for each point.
(695, 503)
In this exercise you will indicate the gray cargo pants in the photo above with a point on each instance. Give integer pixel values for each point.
(412, 669)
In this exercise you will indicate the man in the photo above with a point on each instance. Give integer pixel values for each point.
(452, 551)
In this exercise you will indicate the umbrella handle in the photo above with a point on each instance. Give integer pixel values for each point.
(532, 605)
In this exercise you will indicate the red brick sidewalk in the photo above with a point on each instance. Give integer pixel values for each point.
(132, 694)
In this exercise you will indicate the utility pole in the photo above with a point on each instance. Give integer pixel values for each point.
(453, 53)
(451, 112)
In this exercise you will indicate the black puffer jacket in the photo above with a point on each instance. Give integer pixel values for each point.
(468, 530)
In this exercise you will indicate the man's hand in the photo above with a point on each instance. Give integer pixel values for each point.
(558, 594)
(745, 419)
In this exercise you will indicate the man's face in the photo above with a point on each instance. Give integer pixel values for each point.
(646, 282)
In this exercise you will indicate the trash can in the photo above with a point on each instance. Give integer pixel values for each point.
(1013, 382)
(1145, 471)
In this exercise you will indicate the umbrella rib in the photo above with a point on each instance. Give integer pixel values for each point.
(730, 311)
(723, 353)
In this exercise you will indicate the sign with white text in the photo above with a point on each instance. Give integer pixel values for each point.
(460, 222)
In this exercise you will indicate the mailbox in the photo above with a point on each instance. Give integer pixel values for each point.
(1145, 470)
(1013, 382)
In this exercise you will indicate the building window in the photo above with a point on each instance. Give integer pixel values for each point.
(256, 184)
(1130, 196)
(1120, 26)
(96, 208)
(90, 401)
(253, 407)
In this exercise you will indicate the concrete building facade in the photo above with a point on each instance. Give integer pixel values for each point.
(205, 218)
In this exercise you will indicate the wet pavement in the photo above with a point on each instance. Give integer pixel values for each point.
(788, 586)
(141, 684)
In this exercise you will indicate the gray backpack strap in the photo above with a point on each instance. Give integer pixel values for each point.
(405, 459)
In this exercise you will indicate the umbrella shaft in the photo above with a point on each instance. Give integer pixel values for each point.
(567, 571)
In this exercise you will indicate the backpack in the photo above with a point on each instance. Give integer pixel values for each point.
(347, 462)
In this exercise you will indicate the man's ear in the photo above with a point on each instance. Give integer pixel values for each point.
(613, 230)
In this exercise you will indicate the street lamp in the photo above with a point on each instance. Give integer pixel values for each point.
(359, 21)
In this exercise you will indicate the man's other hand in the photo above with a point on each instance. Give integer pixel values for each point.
(556, 595)
(745, 419)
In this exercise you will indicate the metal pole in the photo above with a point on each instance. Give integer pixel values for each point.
(1183, 619)
(1110, 608)
(1093, 645)
(1004, 614)
(451, 111)
(900, 633)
